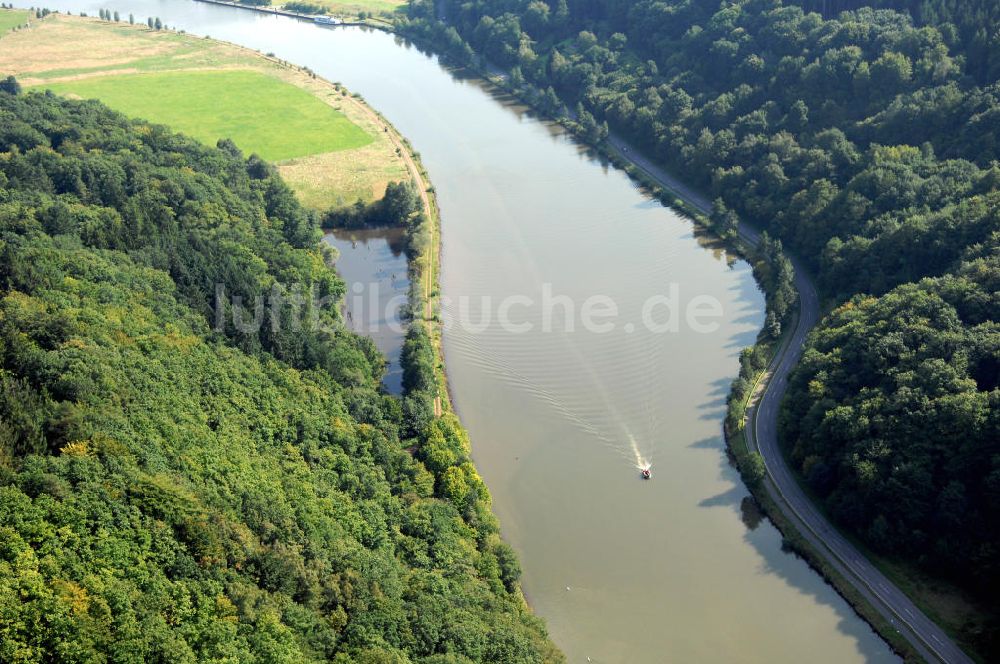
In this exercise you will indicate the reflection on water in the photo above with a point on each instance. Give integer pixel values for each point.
(621, 569)
(373, 264)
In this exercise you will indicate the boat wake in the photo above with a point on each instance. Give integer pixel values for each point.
(611, 388)
(641, 462)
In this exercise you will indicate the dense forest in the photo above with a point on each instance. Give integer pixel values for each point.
(867, 141)
(895, 416)
(970, 25)
(179, 485)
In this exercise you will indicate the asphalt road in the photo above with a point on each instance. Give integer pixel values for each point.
(762, 433)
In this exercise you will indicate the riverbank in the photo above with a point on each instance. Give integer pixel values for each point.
(890, 623)
(674, 194)
(424, 261)
(424, 265)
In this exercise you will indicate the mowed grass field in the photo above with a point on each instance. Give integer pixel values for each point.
(331, 148)
(260, 113)
(352, 7)
(12, 18)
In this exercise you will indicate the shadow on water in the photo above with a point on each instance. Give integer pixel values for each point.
(747, 319)
(730, 497)
(748, 289)
(715, 406)
(750, 513)
(776, 560)
(741, 340)
(804, 579)
(750, 318)
(710, 443)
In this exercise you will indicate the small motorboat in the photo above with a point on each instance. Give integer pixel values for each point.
(645, 474)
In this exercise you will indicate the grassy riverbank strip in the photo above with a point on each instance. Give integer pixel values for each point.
(424, 341)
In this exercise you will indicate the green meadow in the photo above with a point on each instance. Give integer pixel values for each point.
(352, 7)
(12, 18)
(259, 113)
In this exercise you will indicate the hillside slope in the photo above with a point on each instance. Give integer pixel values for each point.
(173, 489)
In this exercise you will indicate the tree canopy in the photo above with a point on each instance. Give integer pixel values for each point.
(172, 489)
(894, 419)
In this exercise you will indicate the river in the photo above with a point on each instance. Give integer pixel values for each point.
(622, 570)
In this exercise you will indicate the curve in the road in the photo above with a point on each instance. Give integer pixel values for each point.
(762, 435)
